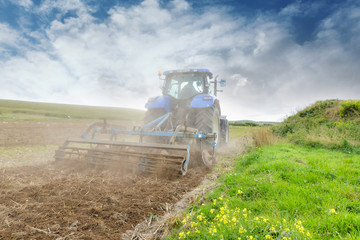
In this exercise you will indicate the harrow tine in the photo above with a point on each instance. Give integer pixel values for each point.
(148, 157)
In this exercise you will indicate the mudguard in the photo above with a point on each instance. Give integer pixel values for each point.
(202, 101)
(159, 102)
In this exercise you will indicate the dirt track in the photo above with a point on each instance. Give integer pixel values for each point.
(56, 201)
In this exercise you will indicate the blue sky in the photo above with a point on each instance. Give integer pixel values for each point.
(277, 56)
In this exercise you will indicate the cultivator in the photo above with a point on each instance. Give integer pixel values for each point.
(99, 145)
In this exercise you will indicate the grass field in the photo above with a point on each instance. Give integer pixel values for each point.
(11, 110)
(281, 192)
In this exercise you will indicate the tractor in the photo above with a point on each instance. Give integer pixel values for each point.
(182, 126)
(191, 96)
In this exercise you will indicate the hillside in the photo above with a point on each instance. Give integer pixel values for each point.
(329, 123)
(34, 111)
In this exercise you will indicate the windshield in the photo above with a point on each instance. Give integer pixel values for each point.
(183, 86)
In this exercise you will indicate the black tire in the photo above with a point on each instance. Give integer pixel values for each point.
(207, 120)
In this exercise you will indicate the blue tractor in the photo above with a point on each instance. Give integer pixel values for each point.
(190, 96)
(184, 123)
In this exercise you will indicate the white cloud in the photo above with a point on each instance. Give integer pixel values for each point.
(8, 35)
(114, 62)
(24, 3)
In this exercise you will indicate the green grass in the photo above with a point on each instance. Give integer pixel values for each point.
(11, 110)
(281, 191)
(239, 132)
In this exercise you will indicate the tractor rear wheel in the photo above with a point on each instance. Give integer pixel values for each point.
(207, 120)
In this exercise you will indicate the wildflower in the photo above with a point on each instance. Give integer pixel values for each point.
(181, 235)
(272, 229)
(245, 215)
(287, 229)
(284, 220)
(239, 191)
(242, 230)
(268, 237)
(220, 198)
(244, 210)
(212, 211)
(265, 220)
(333, 211)
(308, 234)
(256, 219)
(183, 221)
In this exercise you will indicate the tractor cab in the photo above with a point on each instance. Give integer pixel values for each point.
(187, 84)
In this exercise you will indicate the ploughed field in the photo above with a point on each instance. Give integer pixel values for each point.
(44, 199)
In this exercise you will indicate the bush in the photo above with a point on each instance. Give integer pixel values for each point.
(263, 137)
(349, 109)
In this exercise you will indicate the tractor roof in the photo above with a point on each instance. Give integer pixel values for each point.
(191, 70)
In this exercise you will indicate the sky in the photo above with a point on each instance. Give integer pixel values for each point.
(277, 56)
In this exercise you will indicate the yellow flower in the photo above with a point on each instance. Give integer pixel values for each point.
(268, 237)
(220, 198)
(245, 215)
(265, 220)
(272, 228)
(308, 234)
(287, 229)
(242, 230)
(284, 220)
(244, 210)
(239, 191)
(333, 211)
(212, 211)
(256, 219)
(181, 235)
